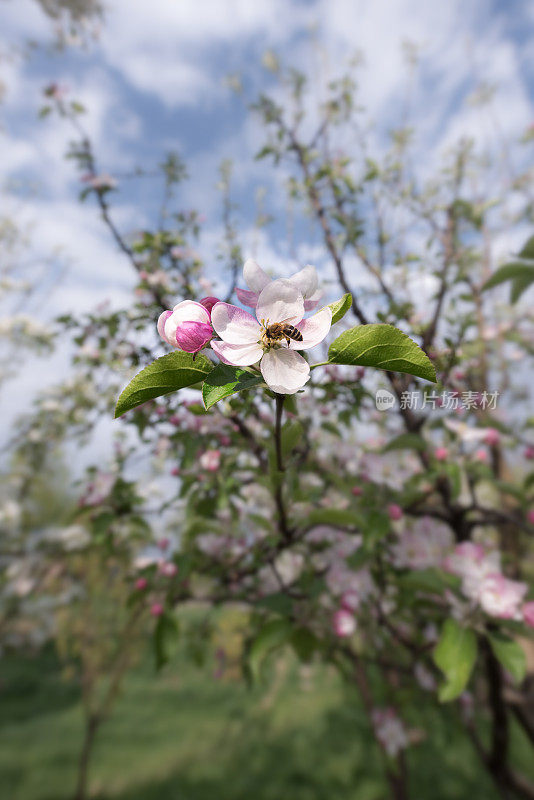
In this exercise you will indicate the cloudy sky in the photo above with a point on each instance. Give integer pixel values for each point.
(154, 79)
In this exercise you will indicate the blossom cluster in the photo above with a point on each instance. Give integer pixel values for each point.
(270, 340)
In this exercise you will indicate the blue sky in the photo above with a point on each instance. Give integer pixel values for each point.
(153, 80)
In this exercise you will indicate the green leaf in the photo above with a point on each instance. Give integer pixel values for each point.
(528, 249)
(519, 285)
(406, 441)
(384, 347)
(510, 654)
(455, 655)
(340, 307)
(304, 643)
(167, 374)
(225, 380)
(520, 273)
(274, 634)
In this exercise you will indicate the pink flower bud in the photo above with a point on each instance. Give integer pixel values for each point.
(141, 584)
(528, 613)
(441, 454)
(175, 471)
(492, 437)
(225, 441)
(529, 452)
(344, 623)
(530, 516)
(394, 511)
(193, 336)
(209, 302)
(163, 543)
(357, 491)
(482, 456)
(156, 609)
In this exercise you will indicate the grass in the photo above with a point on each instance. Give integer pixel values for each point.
(181, 735)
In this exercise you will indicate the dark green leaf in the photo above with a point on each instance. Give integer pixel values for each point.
(384, 347)
(455, 655)
(304, 643)
(225, 380)
(166, 374)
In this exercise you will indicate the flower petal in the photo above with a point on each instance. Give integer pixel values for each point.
(162, 319)
(305, 281)
(247, 298)
(193, 336)
(284, 370)
(239, 355)
(255, 278)
(280, 301)
(312, 302)
(314, 329)
(234, 325)
(186, 311)
(190, 311)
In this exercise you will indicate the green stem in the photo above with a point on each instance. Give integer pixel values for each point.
(280, 399)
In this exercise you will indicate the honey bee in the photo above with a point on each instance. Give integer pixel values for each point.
(282, 330)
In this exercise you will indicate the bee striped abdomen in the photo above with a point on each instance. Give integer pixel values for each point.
(279, 330)
(293, 333)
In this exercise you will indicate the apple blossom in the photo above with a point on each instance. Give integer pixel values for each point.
(187, 326)
(168, 569)
(141, 584)
(390, 731)
(244, 341)
(500, 596)
(472, 563)
(210, 460)
(344, 623)
(256, 279)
